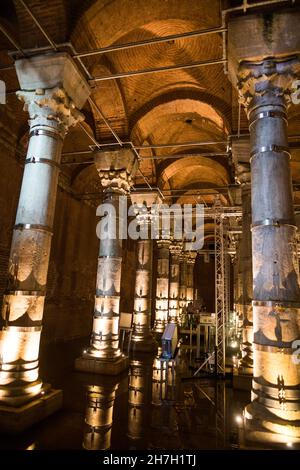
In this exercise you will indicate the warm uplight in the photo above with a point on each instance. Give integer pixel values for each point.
(238, 419)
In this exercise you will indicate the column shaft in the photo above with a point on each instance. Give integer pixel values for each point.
(246, 263)
(105, 334)
(51, 113)
(182, 283)
(116, 169)
(174, 283)
(162, 286)
(276, 292)
(142, 336)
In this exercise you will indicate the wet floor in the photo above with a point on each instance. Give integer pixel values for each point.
(148, 407)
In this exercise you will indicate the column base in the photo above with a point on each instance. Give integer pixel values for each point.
(16, 419)
(263, 426)
(95, 365)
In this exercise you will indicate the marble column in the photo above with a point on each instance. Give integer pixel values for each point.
(142, 338)
(182, 282)
(52, 90)
(175, 250)
(116, 169)
(190, 263)
(162, 286)
(99, 416)
(245, 300)
(265, 88)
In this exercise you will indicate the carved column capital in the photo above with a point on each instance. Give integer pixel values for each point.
(243, 174)
(116, 168)
(52, 90)
(191, 257)
(175, 249)
(50, 108)
(270, 76)
(163, 243)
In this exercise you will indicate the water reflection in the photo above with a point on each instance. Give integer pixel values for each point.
(158, 405)
(163, 380)
(99, 415)
(139, 397)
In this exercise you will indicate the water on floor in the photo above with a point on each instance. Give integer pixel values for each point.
(148, 407)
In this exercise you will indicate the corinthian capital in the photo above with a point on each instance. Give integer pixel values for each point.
(116, 168)
(271, 76)
(50, 107)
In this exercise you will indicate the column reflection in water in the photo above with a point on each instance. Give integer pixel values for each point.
(100, 401)
(164, 425)
(139, 398)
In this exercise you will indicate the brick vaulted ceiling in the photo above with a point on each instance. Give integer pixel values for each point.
(189, 105)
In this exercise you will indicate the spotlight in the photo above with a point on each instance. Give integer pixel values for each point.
(84, 351)
(42, 392)
(239, 419)
(289, 444)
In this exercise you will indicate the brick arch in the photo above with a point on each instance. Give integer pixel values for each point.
(187, 93)
(192, 171)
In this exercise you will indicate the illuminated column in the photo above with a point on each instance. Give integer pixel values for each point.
(265, 89)
(245, 254)
(175, 250)
(139, 398)
(52, 90)
(182, 281)
(190, 263)
(99, 416)
(142, 338)
(116, 170)
(159, 379)
(162, 286)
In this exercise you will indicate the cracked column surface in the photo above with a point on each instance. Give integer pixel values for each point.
(116, 169)
(142, 337)
(266, 83)
(52, 91)
(175, 250)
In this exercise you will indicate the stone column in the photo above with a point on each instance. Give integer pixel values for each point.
(116, 170)
(182, 282)
(266, 86)
(52, 90)
(245, 255)
(99, 416)
(276, 293)
(142, 338)
(175, 250)
(190, 260)
(162, 286)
